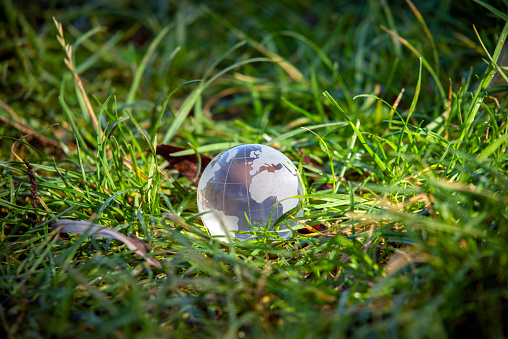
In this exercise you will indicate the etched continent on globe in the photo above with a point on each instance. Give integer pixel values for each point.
(247, 180)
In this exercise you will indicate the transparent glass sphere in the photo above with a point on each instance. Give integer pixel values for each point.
(243, 184)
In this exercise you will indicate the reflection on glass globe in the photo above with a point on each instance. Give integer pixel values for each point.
(247, 180)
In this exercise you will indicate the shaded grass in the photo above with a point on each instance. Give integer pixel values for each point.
(412, 191)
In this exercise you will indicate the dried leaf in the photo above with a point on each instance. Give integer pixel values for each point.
(186, 165)
(94, 230)
(313, 229)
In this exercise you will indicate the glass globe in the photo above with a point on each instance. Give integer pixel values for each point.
(243, 185)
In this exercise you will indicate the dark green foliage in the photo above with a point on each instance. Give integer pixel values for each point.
(402, 152)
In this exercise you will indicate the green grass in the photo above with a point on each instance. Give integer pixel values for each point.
(395, 113)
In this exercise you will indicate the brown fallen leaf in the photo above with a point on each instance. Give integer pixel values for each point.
(186, 165)
(312, 229)
(95, 230)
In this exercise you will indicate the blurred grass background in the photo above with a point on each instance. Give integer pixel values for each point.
(359, 54)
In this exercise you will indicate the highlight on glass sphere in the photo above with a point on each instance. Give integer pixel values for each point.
(243, 184)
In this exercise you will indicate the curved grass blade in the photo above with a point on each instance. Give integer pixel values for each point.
(425, 62)
(371, 152)
(144, 62)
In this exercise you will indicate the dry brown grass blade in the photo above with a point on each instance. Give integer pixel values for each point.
(404, 257)
(94, 230)
(395, 105)
(288, 67)
(15, 144)
(207, 108)
(13, 114)
(130, 165)
(21, 125)
(68, 62)
(468, 42)
(449, 106)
